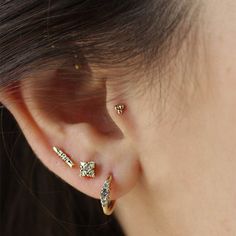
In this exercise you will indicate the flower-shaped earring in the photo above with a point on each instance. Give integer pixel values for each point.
(87, 169)
(119, 109)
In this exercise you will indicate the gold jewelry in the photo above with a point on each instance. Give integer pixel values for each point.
(107, 204)
(64, 157)
(87, 169)
(77, 67)
(120, 108)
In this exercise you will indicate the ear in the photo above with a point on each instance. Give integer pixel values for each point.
(74, 110)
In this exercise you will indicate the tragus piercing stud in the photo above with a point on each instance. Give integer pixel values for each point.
(120, 108)
(64, 157)
(87, 169)
(107, 204)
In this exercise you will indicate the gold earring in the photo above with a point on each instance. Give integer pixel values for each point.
(77, 67)
(87, 169)
(107, 204)
(120, 108)
(64, 157)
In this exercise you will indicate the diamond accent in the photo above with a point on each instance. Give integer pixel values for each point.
(64, 157)
(105, 192)
(87, 169)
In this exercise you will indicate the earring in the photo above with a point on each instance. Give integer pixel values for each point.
(119, 108)
(87, 169)
(64, 157)
(107, 204)
(77, 67)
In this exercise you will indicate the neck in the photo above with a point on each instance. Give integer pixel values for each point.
(139, 215)
(180, 207)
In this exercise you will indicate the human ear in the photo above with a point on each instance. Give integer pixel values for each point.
(74, 110)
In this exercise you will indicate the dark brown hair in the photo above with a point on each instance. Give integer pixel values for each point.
(34, 35)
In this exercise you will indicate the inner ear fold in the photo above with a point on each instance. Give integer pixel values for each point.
(70, 95)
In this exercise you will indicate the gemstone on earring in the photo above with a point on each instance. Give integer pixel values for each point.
(105, 192)
(120, 108)
(64, 157)
(106, 202)
(87, 169)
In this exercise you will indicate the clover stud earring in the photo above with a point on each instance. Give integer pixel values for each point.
(120, 108)
(87, 169)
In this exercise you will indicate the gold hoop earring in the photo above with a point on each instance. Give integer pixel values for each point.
(107, 204)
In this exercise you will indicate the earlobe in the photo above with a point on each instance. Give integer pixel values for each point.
(83, 133)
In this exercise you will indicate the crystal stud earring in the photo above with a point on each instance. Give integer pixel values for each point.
(64, 157)
(87, 169)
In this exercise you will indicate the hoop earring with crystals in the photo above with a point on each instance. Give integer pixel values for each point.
(107, 204)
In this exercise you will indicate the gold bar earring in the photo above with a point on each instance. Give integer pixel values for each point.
(64, 157)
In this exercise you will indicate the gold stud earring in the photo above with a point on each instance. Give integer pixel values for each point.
(77, 67)
(64, 157)
(87, 169)
(107, 204)
(120, 108)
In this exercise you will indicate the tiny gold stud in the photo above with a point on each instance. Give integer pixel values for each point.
(64, 157)
(77, 66)
(120, 108)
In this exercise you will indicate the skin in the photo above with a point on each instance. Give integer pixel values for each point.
(172, 159)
